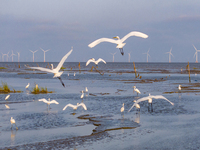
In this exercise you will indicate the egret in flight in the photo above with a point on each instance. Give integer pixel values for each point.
(48, 102)
(149, 98)
(119, 41)
(96, 62)
(76, 106)
(55, 71)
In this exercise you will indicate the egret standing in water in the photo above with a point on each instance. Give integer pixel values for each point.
(7, 97)
(179, 87)
(48, 102)
(137, 106)
(122, 109)
(55, 71)
(96, 62)
(136, 90)
(82, 95)
(27, 85)
(119, 41)
(149, 98)
(12, 121)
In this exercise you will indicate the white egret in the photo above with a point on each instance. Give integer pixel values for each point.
(149, 98)
(179, 87)
(7, 97)
(137, 105)
(7, 106)
(136, 90)
(122, 109)
(12, 121)
(74, 74)
(119, 41)
(82, 95)
(27, 85)
(48, 102)
(55, 71)
(76, 106)
(96, 62)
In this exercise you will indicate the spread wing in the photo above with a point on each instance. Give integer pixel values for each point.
(69, 105)
(42, 69)
(43, 100)
(53, 101)
(83, 105)
(93, 44)
(63, 60)
(100, 59)
(89, 61)
(134, 33)
(139, 100)
(161, 97)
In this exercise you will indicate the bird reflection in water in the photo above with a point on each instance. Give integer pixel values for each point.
(137, 118)
(12, 136)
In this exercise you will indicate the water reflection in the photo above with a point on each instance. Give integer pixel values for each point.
(137, 119)
(12, 137)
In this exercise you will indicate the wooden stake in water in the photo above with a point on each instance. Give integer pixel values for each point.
(188, 67)
(135, 70)
(79, 66)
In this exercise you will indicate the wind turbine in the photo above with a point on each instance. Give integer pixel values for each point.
(12, 55)
(44, 52)
(3, 56)
(196, 53)
(33, 53)
(7, 56)
(147, 54)
(129, 57)
(113, 56)
(170, 54)
(18, 55)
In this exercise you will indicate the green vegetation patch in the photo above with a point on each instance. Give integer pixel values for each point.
(3, 68)
(5, 89)
(41, 90)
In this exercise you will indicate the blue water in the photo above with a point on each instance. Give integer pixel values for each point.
(106, 95)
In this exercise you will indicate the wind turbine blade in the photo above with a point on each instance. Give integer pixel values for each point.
(194, 47)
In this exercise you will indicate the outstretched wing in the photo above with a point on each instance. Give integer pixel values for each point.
(53, 101)
(89, 61)
(83, 105)
(161, 97)
(93, 44)
(100, 59)
(139, 100)
(68, 105)
(41, 69)
(63, 60)
(134, 33)
(43, 100)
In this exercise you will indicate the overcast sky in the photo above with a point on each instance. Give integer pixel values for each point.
(58, 25)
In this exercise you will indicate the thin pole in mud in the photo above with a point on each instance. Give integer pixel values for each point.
(135, 70)
(79, 66)
(188, 67)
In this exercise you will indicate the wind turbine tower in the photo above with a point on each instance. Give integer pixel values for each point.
(196, 53)
(18, 55)
(44, 52)
(12, 55)
(170, 54)
(7, 56)
(129, 57)
(113, 56)
(147, 55)
(33, 53)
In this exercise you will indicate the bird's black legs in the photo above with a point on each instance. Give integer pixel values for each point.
(121, 51)
(61, 81)
(151, 107)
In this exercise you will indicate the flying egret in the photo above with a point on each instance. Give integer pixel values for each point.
(7, 106)
(27, 85)
(96, 62)
(122, 109)
(148, 97)
(12, 121)
(76, 106)
(179, 87)
(55, 71)
(48, 102)
(119, 41)
(7, 97)
(136, 90)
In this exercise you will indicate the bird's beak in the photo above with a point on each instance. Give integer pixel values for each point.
(115, 37)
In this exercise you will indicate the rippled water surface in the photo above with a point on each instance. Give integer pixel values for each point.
(102, 125)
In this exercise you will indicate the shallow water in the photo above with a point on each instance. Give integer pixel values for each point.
(102, 125)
